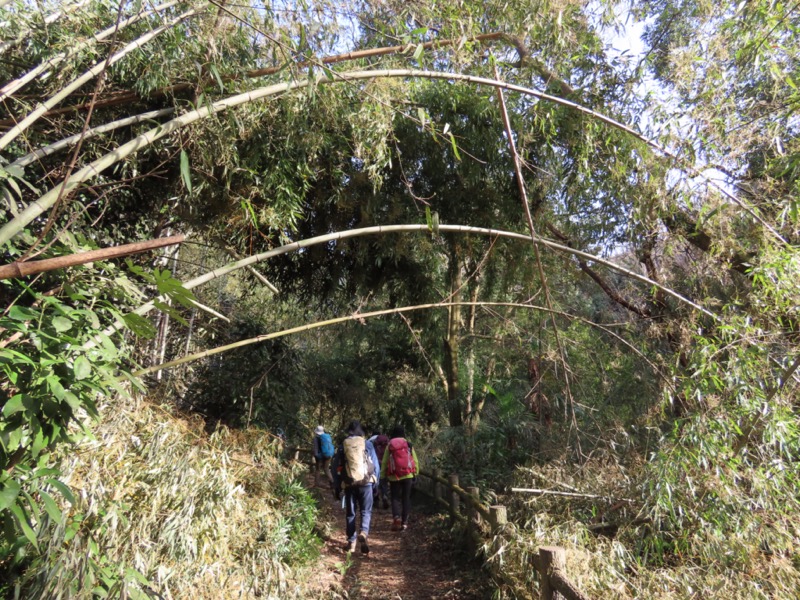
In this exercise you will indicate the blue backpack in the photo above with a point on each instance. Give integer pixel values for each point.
(326, 445)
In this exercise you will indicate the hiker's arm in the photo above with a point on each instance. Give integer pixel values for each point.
(416, 462)
(385, 463)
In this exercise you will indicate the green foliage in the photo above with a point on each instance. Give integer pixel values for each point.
(183, 503)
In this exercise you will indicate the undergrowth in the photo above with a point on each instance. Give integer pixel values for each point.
(163, 508)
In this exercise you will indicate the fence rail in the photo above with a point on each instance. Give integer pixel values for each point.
(465, 505)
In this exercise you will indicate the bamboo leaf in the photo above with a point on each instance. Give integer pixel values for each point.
(65, 491)
(455, 147)
(82, 368)
(51, 507)
(20, 313)
(185, 171)
(24, 524)
(62, 324)
(14, 405)
(218, 77)
(9, 493)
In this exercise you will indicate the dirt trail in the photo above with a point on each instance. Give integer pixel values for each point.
(417, 564)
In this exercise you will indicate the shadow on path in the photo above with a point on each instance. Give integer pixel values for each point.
(420, 563)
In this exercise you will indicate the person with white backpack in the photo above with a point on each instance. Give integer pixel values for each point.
(357, 469)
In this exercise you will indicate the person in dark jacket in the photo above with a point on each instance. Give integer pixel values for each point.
(380, 496)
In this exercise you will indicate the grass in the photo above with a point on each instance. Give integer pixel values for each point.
(163, 506)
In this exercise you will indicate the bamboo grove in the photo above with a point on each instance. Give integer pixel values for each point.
(551, 256)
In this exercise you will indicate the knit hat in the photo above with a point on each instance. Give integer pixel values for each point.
(319, 430)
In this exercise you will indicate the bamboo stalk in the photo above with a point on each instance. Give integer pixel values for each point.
(88, 75)
(360, 54)
(210, 311)
(255, 273)
(46, 201)
(319, 324)
(32, 267)
(27, 159)
(381, 229)
(48, 20)
(526, 208)
(554, 493)
(41, 69)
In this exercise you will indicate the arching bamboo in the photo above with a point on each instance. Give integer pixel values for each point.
(90, 74)
(383, 229)
(12, 86)
(377, 313)
(24, 161)
(48, 20)
(91, 170)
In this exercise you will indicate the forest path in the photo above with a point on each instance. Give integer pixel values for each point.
(421, 563)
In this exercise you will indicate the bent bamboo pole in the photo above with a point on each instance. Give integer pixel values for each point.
(90, 74)
(255, 73)
(91, 170)
(24, 161)
(326, 323)
(381, 229)
(44, 67)
(48, 20)
(32, 267)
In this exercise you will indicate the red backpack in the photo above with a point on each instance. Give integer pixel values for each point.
(401, 460)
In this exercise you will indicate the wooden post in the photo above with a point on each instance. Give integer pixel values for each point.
(437, 487)
(474, 515)
(499, 516)
(551, 558)
(474, 519)
(455, 499)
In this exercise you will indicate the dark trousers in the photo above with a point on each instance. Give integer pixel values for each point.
(322, 465)
(401, 498)
(357, 497)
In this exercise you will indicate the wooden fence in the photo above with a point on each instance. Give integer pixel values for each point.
(465, 505)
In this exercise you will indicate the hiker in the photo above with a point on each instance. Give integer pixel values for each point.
(400, 466)
(358, 470)
(380, 497)
(323, 452)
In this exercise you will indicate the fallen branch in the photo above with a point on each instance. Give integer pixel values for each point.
(557, 493)
(32, 267)
(210, 311)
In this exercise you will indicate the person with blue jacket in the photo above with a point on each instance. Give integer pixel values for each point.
(323, 453)
(356, 458)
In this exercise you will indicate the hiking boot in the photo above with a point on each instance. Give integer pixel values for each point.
(362, 539)
(396, 525)
(350, 547)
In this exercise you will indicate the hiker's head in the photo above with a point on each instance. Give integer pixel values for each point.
(355, 429)
(319, 430)
(398, 432)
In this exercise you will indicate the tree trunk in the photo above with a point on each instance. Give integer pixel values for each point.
(472, 417)
(451, 342)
